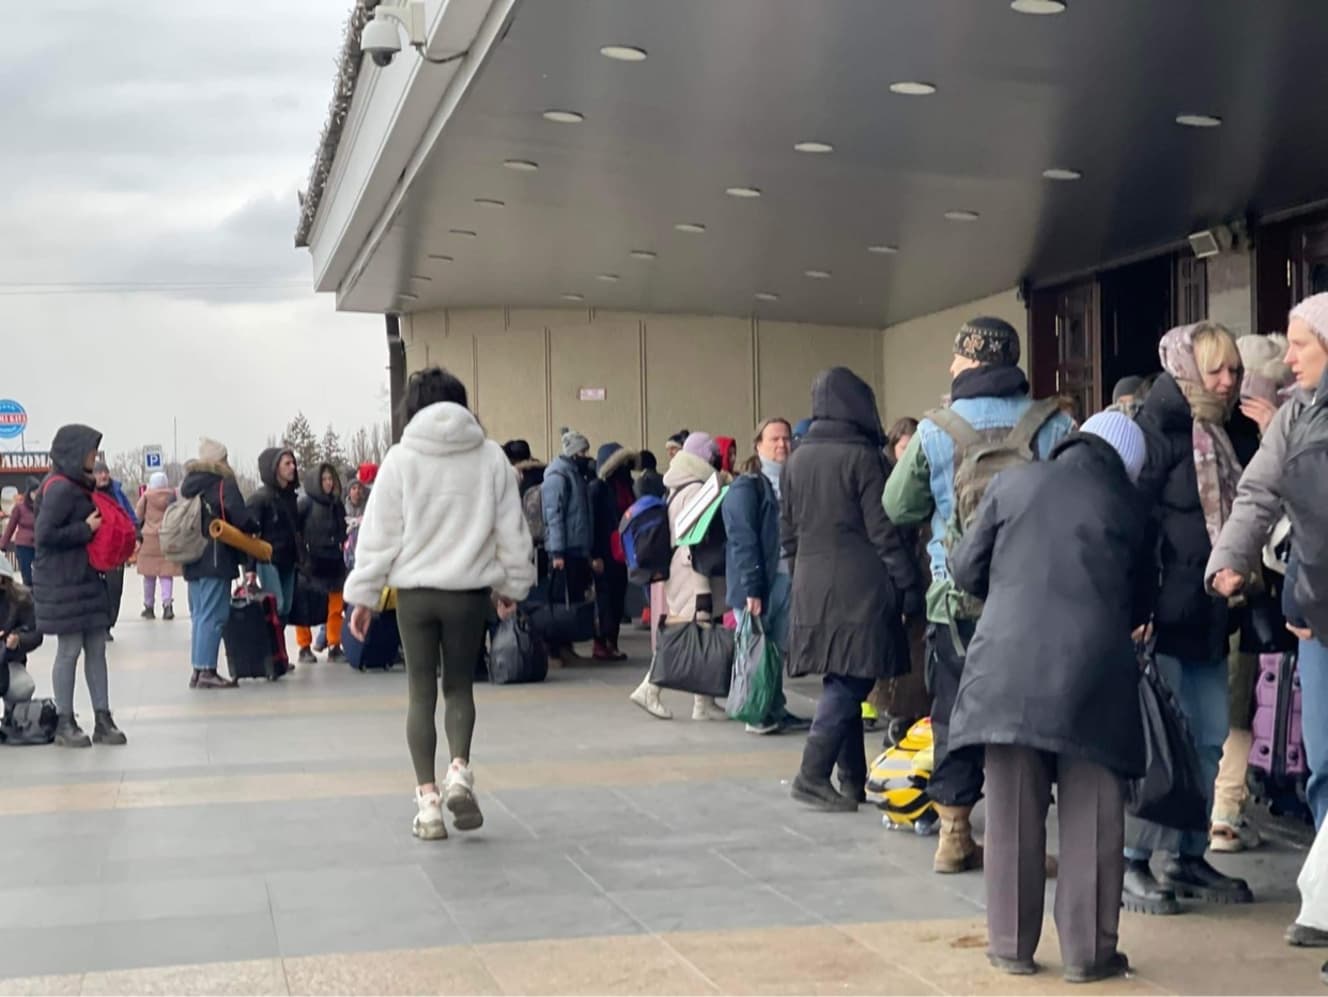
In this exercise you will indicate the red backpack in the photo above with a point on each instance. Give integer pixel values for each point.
(113, 545)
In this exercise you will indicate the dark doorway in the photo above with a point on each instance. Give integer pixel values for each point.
(1137, 309)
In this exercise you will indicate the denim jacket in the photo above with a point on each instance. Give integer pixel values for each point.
(921, 488)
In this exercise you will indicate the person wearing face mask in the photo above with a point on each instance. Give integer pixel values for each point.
(568, 525)
(757, 581)
(1198, 444)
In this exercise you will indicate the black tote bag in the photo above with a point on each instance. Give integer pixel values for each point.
(1171, 792)
(694, 657)
(561, 621)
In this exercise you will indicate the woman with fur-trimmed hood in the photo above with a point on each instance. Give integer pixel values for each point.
(611, 495)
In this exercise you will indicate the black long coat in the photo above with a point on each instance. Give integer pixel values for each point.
(1060, 553)
(322, 520)
(276, 511)
(71, 596)
(852, 571)
(1189, 623)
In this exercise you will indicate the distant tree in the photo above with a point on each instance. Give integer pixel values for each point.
(299, 436)
(330, 450)
(127, 468)
(358, 450)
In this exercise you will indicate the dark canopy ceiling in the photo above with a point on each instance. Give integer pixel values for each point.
(729, 87)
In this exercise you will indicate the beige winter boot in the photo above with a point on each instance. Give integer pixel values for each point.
(956, 851)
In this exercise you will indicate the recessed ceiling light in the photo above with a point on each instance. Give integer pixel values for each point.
(1056, 173)
(564, 117)
(409, 297)
(440, 257)
(692, 227)
(463, 232)
(818, 274)
(491, 202)
(420, 276)
(1198, 120)
(623, 53)
(743, 192)
(814, 147)
(883, 250)
(766, 296)
(962, 216)
(608, 278)
(642, 254)
(570, 296)
(913, 88)
(1038, 6)
(523, 165)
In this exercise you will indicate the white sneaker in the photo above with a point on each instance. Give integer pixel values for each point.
(459, 794)
(762, 729)
(1232, 833)
(705, 708)
(646, 696)
(428, 823)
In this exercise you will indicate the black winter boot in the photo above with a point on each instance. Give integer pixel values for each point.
(104, 730)
(68, 734)
(811, 785)
(1193, 878)
(148, 613)
(1143, 894)
(168, 611)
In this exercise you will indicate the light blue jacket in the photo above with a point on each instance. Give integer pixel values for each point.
(566, 500)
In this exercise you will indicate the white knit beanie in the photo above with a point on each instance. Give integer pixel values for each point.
(1313, 311)
(1125, 437)
(212, 452)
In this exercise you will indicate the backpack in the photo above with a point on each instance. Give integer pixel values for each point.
(647, 543)
(113, 545)
(532, 504)
(30, 723)
(182, 538)
(979, 456)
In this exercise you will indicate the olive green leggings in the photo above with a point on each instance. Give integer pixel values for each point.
(442, 634)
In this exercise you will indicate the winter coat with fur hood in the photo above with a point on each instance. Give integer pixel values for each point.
(445, 513)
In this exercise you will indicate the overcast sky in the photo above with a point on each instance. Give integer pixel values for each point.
(163, 142)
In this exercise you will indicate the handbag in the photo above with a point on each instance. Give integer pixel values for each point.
(694, 657)
(308, 603)
(1171, 791)
(515, 654)
(562, 622)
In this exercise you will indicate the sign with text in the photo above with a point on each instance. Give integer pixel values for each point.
(153, 458)
(13, 419)
(592, 394)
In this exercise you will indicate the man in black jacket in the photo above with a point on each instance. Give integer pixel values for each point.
(322, 518)
(211, 479)
(275, 509)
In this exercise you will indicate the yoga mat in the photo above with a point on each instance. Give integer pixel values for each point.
(258, 549)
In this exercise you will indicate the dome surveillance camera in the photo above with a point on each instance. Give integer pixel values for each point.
(380, 41)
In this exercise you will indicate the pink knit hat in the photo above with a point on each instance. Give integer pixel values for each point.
(1313, 311)
(701, 445)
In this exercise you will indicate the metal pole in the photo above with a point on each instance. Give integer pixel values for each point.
(175, 439)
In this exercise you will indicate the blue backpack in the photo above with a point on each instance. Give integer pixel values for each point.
(647, 541)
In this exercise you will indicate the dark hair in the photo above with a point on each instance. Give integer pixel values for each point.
(647, 461)
(429, 387)
(907, 426)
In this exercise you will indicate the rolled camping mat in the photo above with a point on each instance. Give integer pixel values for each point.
(260, 550)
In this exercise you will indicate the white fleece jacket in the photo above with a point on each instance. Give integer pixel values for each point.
(444, 513)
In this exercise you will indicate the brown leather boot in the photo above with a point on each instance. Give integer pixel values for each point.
(956, 851)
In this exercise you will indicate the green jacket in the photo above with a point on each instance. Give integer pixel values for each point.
(908, 502)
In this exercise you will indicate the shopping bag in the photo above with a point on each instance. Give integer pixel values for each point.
(694, 657)
(756, 673)
(1313, 883)
(560, 621)
(515, 654)
(1171, 791)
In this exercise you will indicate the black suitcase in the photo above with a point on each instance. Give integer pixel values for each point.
(381, 647)
(516, 654)
(255, 645)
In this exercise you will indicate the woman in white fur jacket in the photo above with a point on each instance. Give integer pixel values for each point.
(444, 527)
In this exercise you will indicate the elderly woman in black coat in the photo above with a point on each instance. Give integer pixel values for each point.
(1049, 691)
(854, 580)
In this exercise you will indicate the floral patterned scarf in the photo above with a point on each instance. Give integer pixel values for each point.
(1215, 462)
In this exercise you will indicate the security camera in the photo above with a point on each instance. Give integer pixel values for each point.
(381, 41)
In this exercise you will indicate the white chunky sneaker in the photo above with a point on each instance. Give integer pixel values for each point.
(459, 794)
(428, 823)
(646, 696)
(705, 708)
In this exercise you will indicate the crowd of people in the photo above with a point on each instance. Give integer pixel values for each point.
(993, 566)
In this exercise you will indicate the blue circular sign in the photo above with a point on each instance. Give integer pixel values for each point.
(13, 419)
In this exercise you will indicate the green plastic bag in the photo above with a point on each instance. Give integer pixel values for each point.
(756, 673)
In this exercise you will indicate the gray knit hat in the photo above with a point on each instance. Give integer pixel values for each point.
(1125, 437)
(988, 340)
(574, 444)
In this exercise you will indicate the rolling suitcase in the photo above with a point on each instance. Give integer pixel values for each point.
(254, 638)
(381, 647)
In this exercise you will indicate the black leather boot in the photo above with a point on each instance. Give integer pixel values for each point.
(168, 611)
(104, 730)
(1193, 878)
(1143, 894)
(811, 786)
(68, 734)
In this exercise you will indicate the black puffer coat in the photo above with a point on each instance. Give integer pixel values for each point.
(222, 499)
(71, 597)
(1060, 553)
(18, 616)
(276, 511)
(323, 527)
(1189, 623)
(853, 576)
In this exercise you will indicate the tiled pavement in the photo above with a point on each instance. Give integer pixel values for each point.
(257, 841)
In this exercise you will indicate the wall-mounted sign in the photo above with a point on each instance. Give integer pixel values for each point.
(592, 394)
(13, 419)
(153, 458)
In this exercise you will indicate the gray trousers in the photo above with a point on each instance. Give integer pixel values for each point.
(92, 645)
(1090, 809)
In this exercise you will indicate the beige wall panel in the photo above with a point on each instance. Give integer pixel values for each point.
(431, 345)
(513, 400)
(698, 376)
(917, 353)
(1230, 295)
(476, 321)
(540, 318)
(792, 353)
(602, 355)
